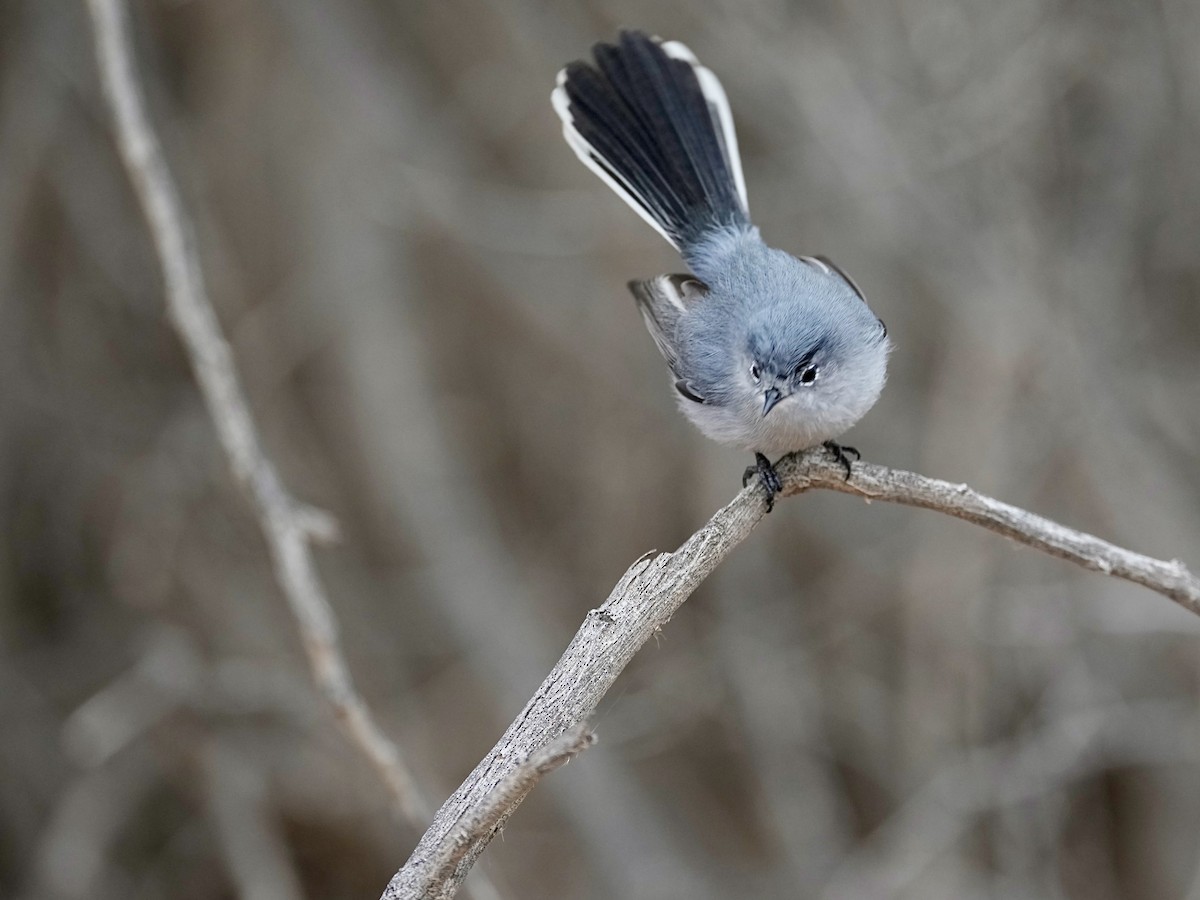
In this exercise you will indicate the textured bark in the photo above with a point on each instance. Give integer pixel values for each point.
(655, 586)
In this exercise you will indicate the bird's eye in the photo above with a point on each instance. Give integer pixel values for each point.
(755, 372)
(806, 375)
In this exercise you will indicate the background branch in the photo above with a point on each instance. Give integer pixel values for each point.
(654, 587)
(288, 526)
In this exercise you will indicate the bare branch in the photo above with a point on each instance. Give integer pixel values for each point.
(484, 821)
(288, 526)
(655, 586)
(1169, 578)
(642, 602)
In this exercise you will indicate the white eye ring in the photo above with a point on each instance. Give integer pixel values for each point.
(755, 372)
(808, 374)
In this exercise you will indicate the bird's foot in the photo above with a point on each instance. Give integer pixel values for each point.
(842, 454)
(767, 475)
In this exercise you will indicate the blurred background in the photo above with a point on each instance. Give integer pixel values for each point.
(426, 295)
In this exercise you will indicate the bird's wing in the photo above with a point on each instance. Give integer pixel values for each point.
(829, 267)
(662, 302)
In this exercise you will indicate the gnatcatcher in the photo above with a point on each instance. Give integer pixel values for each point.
(767, 351)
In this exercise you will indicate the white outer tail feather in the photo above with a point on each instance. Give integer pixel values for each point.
(589, 157)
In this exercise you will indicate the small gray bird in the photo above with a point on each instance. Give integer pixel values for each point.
(767, 351)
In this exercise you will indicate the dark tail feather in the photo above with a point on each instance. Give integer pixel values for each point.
(655, 126)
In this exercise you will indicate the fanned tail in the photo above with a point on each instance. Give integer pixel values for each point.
(655, 126)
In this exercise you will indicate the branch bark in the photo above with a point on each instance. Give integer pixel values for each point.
(1168, 577)
(289, 526)
(488, 816)
(654, 587)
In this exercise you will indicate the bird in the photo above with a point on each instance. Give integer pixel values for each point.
(768, 352)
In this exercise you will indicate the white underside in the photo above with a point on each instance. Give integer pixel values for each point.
(798, 422)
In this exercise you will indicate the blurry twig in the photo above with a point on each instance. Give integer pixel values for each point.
(654, 587)
(288, 526)
(1008, 773)
(251, 839)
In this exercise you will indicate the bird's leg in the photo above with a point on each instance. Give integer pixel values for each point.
(767, 475)
(842, 454)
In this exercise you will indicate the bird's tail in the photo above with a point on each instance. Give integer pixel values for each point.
(655, 126)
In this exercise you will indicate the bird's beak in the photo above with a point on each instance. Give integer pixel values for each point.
(770, 398)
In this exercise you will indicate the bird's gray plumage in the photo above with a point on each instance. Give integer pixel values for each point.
(767, 351)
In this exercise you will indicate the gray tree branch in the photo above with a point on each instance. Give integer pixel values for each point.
(488, 816)
(655, 586)
(1170, 578)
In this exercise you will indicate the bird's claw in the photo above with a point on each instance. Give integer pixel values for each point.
(842, 454)
(767, 475)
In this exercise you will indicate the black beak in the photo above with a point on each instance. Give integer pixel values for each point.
(770, 398)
